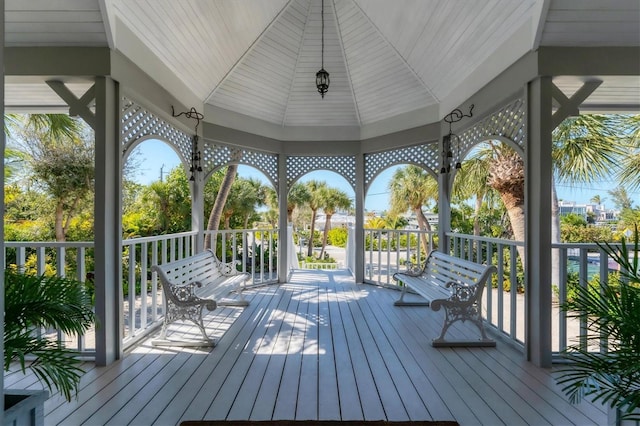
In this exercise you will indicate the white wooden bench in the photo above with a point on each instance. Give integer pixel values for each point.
(192, 284)
(454, 284)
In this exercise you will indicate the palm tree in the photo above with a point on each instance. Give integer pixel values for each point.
(216, 211)
(159, 192)
(52, 125)
(597, 199)
(298, 196)
(471, 182)
(317, 192)
(585, 148)
(411, 188)
(334, 199)
(628, 174)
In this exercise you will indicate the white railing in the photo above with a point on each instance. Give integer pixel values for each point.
(142, 304)
(71, 259)
(580, 265)
(142, 295)
(504, 299)
(255, 249)
(387, 251)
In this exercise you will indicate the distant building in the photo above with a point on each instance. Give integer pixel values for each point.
(598, 212)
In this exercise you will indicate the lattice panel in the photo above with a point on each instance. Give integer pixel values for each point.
(137, 123)
(216, 156)
(425, 155)
(509, 122)
(345, 166)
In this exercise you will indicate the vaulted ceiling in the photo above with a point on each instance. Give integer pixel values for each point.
(406, 60)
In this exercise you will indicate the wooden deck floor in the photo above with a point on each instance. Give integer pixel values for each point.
(319, 347)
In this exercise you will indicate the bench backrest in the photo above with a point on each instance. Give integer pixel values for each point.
(202, 268)
(444, 268)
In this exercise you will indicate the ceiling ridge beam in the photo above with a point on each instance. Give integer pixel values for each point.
(293, 76)
(247, 52)
(346, 63)
(400, 57)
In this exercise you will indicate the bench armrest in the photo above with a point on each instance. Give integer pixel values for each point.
(184, 295)
(413, 270)
(228, 268)
(464, 292)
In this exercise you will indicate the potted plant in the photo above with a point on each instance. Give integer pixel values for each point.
(613, 377)
(34, 303)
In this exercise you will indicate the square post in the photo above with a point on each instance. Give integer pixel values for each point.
(359, 225)
(108, 222)
(538, 181)
(283, 241)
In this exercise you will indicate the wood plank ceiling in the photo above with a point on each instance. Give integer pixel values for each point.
(386, 59)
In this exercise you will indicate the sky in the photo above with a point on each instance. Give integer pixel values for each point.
(157, 157)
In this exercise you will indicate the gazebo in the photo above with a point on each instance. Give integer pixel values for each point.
(246, 71)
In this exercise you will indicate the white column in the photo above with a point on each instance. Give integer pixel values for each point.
(108, 227)
(359, 225)
(283, 243)
(538, 172)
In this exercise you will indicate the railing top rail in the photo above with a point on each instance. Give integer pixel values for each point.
(49, 244)
(413, 231)
(158, 237)
(593, 246)
(241, 230)
(486, 239)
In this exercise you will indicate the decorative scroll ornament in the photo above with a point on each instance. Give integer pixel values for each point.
(196, 156)
(447, 140)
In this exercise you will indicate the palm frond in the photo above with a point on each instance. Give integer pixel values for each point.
(36, 302)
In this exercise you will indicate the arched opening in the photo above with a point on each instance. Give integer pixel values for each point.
(156, 193)
(246, 230)
(320, 207)
(400, 221)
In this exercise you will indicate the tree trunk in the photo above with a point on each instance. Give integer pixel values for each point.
(506, 175)
(424, 225)
(218, 205)
(327, 227)
(476, 219)
(516, 217)
(59, 227)
(313, 228)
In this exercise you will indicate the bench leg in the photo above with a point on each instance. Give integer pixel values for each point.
(454, 313)
(401, 301)
(191, 313)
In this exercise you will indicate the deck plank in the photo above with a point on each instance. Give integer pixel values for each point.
(286, 401)
(319, 347)
(328, 393)
(265, 402)
(348, 395)
(226, 363)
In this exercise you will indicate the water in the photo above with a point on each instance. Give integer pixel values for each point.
(592, 268)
